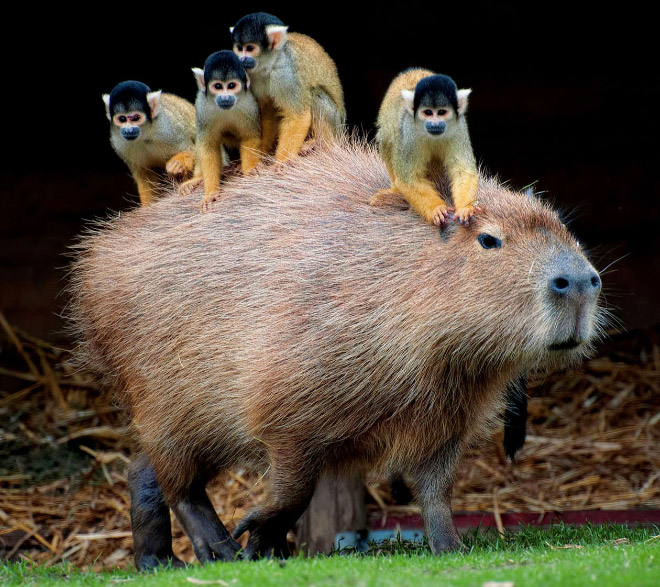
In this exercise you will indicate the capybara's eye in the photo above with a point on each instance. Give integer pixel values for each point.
(488, 241)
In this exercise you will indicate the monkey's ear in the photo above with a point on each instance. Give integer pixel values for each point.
(409, 101)
(106, 101)
(199, 78)
(153, 99)
(277, 36)
(463, 100)
(231, 30)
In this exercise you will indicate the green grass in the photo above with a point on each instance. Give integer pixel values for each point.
(609, 555)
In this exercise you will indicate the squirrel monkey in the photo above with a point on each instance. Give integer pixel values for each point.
(227, 116)
(294, 81)
(423, 134)
(150, 131)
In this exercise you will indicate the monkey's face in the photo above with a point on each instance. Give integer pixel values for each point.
(435, 120)
(129, 124)
(225, 92)
(249, 54)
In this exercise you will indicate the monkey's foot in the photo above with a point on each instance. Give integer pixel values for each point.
(389, 199)
(441, 214)
(267, 535)
(188, 187)
(309, 146)
(464, 214)
(149, 562)
(208, 199)
(180, 164)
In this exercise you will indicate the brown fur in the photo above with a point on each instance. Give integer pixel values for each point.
(325, 335)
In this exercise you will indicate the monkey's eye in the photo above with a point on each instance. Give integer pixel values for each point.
(217, 86)
(134, 117)
(249, 48)
(231, 85)
(442, 112)
(122, 118)
(428, 112)
(488, 241)
(239, 47)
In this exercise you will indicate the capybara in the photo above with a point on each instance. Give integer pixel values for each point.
(294, 329)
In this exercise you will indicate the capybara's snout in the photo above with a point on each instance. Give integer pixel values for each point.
(573, 279)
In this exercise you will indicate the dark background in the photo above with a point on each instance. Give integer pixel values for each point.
(564, 99)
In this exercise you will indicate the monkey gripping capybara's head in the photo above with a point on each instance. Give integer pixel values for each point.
(293, 314)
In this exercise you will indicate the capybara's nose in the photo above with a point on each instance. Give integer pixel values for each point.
(567, 284)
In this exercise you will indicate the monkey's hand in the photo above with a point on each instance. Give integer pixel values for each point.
(464, 214)
(389, 198)
(180, 164)
(441, 214)
(188, 187)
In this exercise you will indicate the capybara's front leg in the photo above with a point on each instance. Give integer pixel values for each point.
(210, 539)
(293, 479)
(150, 518)
(434, 480)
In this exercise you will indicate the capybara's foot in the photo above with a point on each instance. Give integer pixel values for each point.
(189, 186)
(149, 562)
(267, 535)
(441, 214)
(389, 199)
(464, 214)
(180, 164)
(212, 547)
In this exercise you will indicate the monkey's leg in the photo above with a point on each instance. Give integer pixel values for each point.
(210, 161)
(425, 200)
(270, 128)
(181, 164)
(150, 518)
(145, 181)
(293, 132)
(208, 535)
(433, 482)
(293, 478)
(464, 184)
(250, 154)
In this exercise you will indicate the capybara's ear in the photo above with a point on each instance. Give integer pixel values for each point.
(389, 199)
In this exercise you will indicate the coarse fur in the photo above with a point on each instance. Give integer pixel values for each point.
(296, 85)
(335, 335)
(166, 143)
(415, 159)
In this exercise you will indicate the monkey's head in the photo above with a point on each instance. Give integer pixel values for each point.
(129, 106)
(222, 79)
(436, 104)
(257, 39)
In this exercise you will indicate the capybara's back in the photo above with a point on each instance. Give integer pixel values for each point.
(295, 328)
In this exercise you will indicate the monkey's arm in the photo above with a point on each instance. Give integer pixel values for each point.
(181, 164)
(145, 181)
(294, 128)
(250, 154)
(269, 127)
(210, 161)
(424, 199)
(464, 180)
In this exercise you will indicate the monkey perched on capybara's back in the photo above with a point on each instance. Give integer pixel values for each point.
(318, 334)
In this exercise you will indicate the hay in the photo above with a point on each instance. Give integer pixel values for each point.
(593, 442)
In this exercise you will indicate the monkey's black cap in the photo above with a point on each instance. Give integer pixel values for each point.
(436, 91)
(252, 28)
(224, 65)
(130, 95)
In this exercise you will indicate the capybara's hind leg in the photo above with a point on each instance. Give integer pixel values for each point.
(150, 518)
(208, 535)
(292, 484)
(434, 480)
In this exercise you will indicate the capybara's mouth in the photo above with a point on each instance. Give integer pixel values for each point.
(565, 345)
